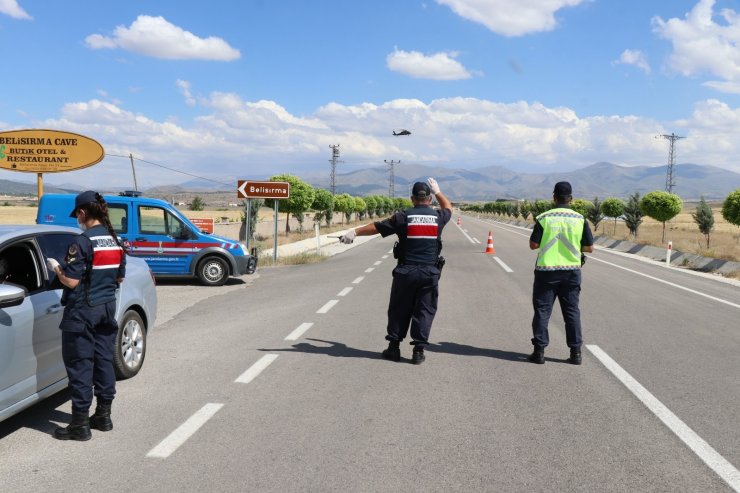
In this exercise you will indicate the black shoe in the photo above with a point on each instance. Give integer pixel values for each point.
(78, 429)
(537, 356)
(101, 419)
(393, 353)
(575, 356)
(418, 357)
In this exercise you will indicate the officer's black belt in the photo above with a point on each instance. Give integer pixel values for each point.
(419, 263)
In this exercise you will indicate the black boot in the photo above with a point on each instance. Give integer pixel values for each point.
(537, 356)
(78, 429)
(393, 353)
(575, 356)
(418, 355)
(101, 419)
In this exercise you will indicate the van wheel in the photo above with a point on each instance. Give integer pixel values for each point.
(213, 271)
(130, 348)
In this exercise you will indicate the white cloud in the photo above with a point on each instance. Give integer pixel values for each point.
(11, 8)
(701, 45)
(439, 66)
(185, 90)
(636, 58)
(156, 37)
(252, 139)
(511, 17)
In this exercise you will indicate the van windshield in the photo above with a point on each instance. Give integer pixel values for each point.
(159, 221)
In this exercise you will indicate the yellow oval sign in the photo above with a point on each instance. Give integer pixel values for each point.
(47, 151)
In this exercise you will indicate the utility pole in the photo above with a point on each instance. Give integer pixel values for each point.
(669, 180)
(391, 189)
(334, 160)
(136, 186)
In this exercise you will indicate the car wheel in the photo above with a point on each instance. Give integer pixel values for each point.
(213, 271)
(130, 349)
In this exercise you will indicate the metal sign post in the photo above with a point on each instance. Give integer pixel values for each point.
(248, 218)
(276, 190)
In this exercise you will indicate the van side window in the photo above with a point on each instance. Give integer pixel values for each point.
(118, 214)
(158, 221)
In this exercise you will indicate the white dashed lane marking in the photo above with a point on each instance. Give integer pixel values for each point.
(299, 331)
(358, 280)
(328, 306)
(166, 447)
(344, 292)
(256, 368)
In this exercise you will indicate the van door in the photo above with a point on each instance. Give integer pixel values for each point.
(163, 240)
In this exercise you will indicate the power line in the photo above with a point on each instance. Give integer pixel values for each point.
(669, 179)
(131, 156)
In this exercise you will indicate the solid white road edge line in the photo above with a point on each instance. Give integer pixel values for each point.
(699, 293)
(166, 447)
(328, 306)
(298, 332)
(256, 368)
(502, 264)
(344, 292)
(463, 232)
(711, 457)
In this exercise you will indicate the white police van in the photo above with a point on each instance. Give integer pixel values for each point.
(157, 232)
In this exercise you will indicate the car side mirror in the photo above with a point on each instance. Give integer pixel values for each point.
(11, 295)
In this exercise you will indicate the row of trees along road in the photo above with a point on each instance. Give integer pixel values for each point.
(659, 205)
(304, 197)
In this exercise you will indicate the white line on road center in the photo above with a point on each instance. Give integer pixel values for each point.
(378, 262)
(328, 306)
(370, 269)
(711, 457)
(358, 280)
(166, 447)
(344, 292)
(502, 264)
(256, 368)
(298, 332)
(384, 257)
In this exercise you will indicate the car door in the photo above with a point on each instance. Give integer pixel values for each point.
(163, 240)
(30, 347)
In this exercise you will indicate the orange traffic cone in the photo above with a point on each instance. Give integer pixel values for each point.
(489, 247)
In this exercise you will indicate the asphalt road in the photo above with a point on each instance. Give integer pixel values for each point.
(226, 403)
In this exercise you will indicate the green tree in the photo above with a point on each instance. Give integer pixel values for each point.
(731, 209)
(372, 205)
(360, 208)
(661, 206)
(595, 214)
(614, 208)
(581, 206)
(323, 203)
(704, 218)
(197, 204)
(344, 203)
(633, 214)
(301, 198)
(254, 207)
(525, 210)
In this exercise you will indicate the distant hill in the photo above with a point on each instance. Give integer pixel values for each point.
(494, 182)
(488, 183)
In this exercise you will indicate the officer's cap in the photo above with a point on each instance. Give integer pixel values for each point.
(562, 189)
(421, 190)
(84, 198)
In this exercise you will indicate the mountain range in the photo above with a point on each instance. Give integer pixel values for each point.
(602, 180)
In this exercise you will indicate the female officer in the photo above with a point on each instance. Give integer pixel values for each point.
(92, 269)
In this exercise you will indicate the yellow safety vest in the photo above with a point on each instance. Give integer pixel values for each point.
(560, 247)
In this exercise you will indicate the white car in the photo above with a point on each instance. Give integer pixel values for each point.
(31, 366)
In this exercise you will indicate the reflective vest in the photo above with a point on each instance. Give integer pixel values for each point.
(560, 247)
(421, 244)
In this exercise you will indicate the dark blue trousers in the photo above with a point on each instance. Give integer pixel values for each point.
(414, 294)
(565, 285)
(88, 357)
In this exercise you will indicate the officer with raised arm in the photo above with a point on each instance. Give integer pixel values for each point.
(415, 287)
(560, 234)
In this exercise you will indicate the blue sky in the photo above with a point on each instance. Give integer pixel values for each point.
(245, 89)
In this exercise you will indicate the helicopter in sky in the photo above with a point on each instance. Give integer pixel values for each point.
(401, 131)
